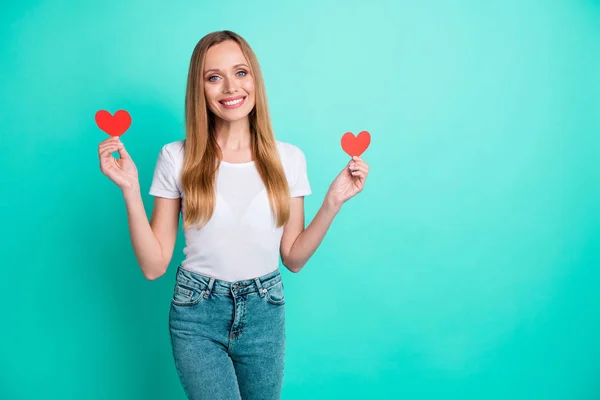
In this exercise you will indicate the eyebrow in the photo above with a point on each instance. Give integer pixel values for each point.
(218, 70)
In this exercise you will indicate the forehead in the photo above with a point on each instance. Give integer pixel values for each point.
(224, 55)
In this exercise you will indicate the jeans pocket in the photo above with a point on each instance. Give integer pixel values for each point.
(275, 294)
(184, 295)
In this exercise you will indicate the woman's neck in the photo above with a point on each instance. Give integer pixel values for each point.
(233, 135)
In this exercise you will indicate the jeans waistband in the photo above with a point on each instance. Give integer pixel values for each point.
(208, 284)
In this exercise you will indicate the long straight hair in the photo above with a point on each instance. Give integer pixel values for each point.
(202, 154)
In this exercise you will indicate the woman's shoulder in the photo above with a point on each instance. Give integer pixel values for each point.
(174, 146)
(288, 150)
(174, 150)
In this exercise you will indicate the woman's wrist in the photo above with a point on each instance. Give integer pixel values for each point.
(331, 205)
(130, 191)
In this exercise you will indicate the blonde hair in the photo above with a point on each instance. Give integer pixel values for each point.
(202, 154)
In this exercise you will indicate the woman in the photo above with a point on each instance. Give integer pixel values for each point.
(241, 194)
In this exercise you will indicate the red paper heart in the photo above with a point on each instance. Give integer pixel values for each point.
(113, 125)
(355, 146)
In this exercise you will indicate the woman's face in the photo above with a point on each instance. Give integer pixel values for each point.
(228, 85)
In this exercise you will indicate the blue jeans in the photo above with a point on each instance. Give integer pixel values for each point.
(228, 338)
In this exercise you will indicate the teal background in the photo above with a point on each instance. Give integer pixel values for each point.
(468, 268)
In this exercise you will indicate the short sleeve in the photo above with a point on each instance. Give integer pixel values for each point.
(301, 185)
(164, 182)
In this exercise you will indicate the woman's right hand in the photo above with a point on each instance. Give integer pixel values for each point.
(121, 171)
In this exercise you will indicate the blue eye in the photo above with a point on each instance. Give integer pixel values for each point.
(210, 79)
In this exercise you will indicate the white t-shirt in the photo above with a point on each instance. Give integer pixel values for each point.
(240, 241)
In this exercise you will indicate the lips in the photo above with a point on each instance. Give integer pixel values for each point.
(232, 98)
(233, 102)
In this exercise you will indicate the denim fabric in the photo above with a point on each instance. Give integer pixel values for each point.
(228, 338)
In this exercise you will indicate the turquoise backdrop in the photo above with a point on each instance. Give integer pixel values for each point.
(468, 268)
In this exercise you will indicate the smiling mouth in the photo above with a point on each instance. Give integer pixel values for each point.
(233, 103)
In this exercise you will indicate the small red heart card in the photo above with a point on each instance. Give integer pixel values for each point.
(113, 125)
(355, 146)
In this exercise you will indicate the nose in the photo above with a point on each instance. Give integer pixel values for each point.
(229, 86)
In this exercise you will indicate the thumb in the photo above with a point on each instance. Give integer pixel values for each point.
(350, 163)
(123, 153)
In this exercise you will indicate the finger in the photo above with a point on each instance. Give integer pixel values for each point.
(359, 179)
(123, 153)
(111, 145)
(102, 149)
(107, 140)
(113, 139)
(359, 167)
(359, 173)
(102, 146)
(360, 162)
(108, 150)
(362, 168)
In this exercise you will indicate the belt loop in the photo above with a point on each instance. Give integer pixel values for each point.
(208, 291)
(261, 290)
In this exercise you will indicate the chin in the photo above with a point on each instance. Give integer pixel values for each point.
(235, 114)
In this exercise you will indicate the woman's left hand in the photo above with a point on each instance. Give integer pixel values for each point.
(348, 183)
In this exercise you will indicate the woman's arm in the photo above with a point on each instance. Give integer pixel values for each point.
(299, 244)
(153, 241)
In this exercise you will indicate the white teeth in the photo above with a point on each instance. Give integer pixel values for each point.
(231, 103)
